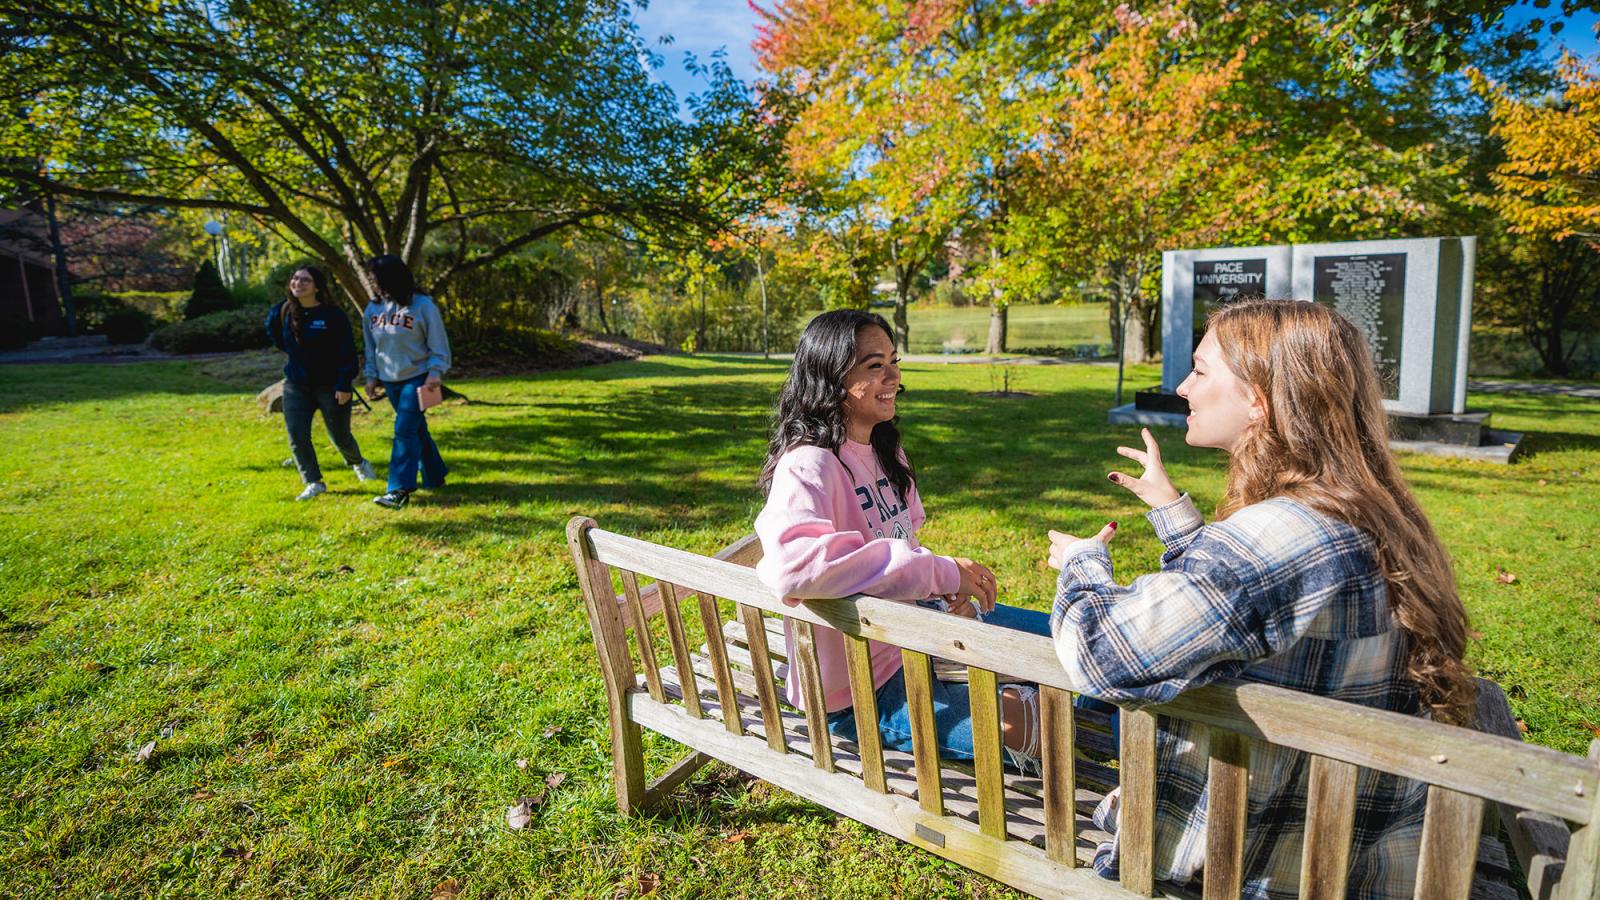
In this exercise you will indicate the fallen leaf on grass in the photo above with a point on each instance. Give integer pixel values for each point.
(345, 570)
(519, 814)
(1475, 635)
(96, 667)
(145, 752)
(393, 761)
(1541, 482)
(1593, 728)
(201, 794)
(739, 837)
(237, 853)
(554, 779)
(168, 729)
(1522, 726)
(552, 731)
(649, 882)
(446, 890)
(1505, 577)
(522, 763)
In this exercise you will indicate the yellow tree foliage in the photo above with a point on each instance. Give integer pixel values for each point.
(1549, 184)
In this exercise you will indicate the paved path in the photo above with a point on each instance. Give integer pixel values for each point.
(1589, 391)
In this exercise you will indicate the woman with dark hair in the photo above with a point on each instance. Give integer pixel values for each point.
(408, 350)
(1320, 574)
(311, 328)
(841, 518)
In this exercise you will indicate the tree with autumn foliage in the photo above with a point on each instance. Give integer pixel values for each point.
(1146, 147)
(1547, 190)
(900, 115)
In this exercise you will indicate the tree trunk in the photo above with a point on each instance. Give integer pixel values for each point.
(63, 278)
(902, 324)
(997, 329)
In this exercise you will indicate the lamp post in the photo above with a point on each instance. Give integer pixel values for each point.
(214, 228)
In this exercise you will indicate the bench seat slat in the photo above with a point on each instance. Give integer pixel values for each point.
(641, 634)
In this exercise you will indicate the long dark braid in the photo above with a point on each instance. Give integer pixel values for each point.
(810, 408)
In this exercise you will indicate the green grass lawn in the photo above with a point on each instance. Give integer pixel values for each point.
(938, 329)
(339, 694)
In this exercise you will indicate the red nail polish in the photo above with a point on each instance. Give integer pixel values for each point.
(1111, 478)
(1113, 525)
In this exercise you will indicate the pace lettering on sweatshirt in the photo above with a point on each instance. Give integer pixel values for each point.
(405, 341)
(833, 526)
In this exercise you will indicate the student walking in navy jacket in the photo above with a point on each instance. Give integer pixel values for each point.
(406, 349)
(309, 327)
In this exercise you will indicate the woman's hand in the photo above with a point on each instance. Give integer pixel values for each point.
(1060, 541)
(1153, 487)
(960, 606)
(977, 582)
(432, 380)
(372, 389)
(341, 397)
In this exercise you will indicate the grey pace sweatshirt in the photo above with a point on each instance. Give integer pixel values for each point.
(404, 341)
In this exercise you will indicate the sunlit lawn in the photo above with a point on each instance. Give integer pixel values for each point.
(339, 694)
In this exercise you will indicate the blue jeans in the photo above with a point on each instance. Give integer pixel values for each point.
(952, 708)
(413, 445)
(300, 405)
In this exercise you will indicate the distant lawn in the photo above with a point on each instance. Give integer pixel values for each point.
(965, 329)
(345, 690)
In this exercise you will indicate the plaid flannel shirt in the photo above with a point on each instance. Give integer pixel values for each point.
(1279, 594)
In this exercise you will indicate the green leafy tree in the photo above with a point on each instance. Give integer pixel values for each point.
(478, 127)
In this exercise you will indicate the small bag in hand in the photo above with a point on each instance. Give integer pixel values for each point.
(429, 396)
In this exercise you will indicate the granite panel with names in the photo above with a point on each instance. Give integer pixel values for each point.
(1370, 291)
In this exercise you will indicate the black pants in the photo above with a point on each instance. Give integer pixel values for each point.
(300, 404)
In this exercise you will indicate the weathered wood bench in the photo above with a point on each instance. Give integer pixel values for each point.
(1034, 833)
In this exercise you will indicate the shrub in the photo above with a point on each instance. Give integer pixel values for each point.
(163, 306)
(210, 295)
(127, 325)
(233, 329)
(100, 313)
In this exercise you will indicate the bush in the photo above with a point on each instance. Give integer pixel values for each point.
(210, 295)
(233, 329)
(164, 307)
(127, 325)
(111, 316)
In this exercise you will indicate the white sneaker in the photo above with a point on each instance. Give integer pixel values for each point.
(364, 471)
(312, 490)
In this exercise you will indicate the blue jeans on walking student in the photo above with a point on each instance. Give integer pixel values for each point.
(300, 405)
(952, 708)
(413, 445)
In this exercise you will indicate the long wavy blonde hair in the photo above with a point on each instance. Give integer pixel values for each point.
(1324, 443)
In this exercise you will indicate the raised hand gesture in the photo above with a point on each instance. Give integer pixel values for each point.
(1153, 487)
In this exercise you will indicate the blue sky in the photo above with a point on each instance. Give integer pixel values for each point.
(706, 26)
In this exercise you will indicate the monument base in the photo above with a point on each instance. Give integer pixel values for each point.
(1464, 436)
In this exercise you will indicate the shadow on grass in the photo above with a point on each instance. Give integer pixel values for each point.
(29, 387)
(658, 458)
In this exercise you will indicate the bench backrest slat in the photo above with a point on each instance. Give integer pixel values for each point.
(988, 767)
(1227, 805)
(803, 665)
(1060, 784)
(918, 669)
(641, 635)
(717, 651)
(673, 613)
(1450, 829)
(1330, 824)
(864, 700)
(1137, 832)
(1582, 879)
(761, 668)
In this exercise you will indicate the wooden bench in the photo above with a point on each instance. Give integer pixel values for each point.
(1034, 834)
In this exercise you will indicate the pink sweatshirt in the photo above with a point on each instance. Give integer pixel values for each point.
(833, 527)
